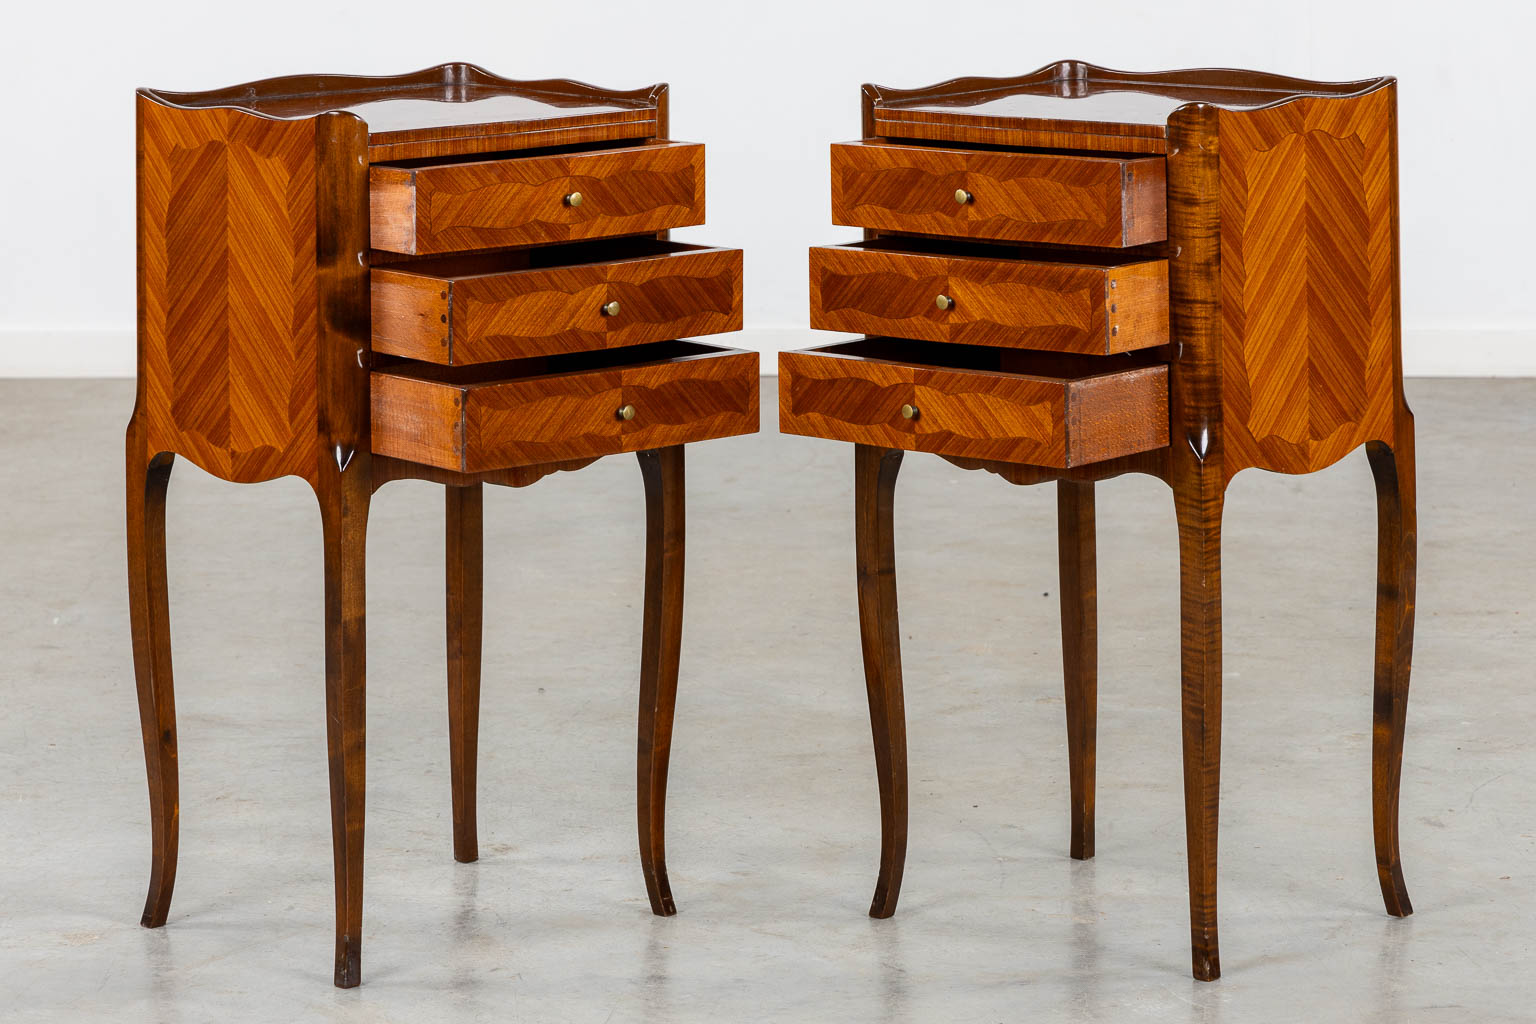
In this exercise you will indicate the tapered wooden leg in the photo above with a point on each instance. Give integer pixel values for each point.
(1199, 513)
(149, 614)
(660, 647)
(1397, 555)
(465, 568)
(1079, 649)
(874, 486)
(344, 516)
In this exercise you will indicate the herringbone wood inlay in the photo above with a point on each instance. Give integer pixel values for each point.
(521, 201)
(1037, 419)
(1025, 197)
(228, 328)
(693, 393)
(464, 311)
(1053, 305)
(1307, 280)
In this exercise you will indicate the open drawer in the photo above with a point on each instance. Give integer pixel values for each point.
(1005, 405)
(1053, 197)
(432, 206)
(1095, 302)
(555, 408)
(485, 307)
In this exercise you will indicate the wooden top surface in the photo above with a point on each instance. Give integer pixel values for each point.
(442, 104)
(1074, 97)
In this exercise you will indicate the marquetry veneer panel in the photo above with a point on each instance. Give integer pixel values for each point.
(1042, 301)
(564, 407)
(1005, 406)
(445, 207)
(1056, 198)
(486, 308)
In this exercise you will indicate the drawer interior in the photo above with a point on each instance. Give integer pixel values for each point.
(985, 359)
(490, 374)
(569, 254)
(924, 245)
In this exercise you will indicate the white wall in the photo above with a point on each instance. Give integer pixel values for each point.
(767, 86)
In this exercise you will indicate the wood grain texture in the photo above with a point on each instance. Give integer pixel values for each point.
(1196, 456)
(473, 426)
(464, 558)
(661, 640)
(449, 207)
(149, 618)
(1072, 104)
(1397, 562)
(1308, 269)
(1077, 555)
(1032, 303)
(488, 308)
(970, 413)
(874, 487)
(449, 109)
(343, 485)
(1024, 197)
(228, 296)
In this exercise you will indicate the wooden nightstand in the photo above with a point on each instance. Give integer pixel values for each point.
(446, 276)
(1080, 273)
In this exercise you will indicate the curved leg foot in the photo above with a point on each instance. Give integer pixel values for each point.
(874, 485)
(149, 612)
(1199, 517)
(1079, 650)
(344, 517)
(660, 648)
(1397, 553)
(465, 551)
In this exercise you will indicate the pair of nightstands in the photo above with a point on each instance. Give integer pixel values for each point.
(454, 277)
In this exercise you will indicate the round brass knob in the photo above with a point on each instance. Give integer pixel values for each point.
(574, 199)
(909, 412)
(944, 302)
(611, 308)
(626, 412)
(962, 196)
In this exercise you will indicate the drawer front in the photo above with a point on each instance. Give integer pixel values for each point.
(497, 424)
(1014, 303)
(444, 315)
(449, 207)
(1055, 198)
(1037, 420)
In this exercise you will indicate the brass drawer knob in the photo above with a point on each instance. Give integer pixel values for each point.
(574, 199)
(611, 308)
(909, 412)
(626, 412)
(962, 196)
(944, 302)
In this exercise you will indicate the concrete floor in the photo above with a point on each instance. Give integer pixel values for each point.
(773, 813)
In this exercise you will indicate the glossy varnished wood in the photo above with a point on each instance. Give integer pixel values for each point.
(660, 650)
(465, 558)
(1057, 198)
(447, 207)
(1076, 543)
(1308, 269)
(1075, 105)
(1007, 406)
(1037, 299)
(533, 411)
(450, 109)
(229, 297)
(874, 487)
(255, 323)
(487, 308)
(149, 617)
(1284, 314)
